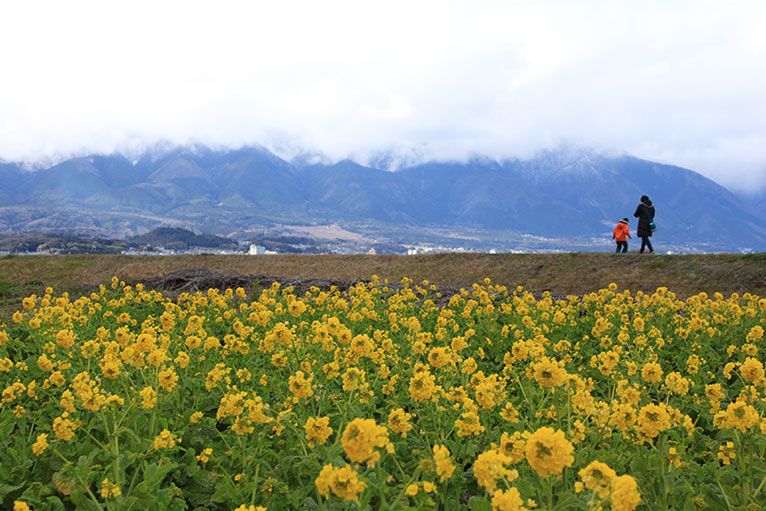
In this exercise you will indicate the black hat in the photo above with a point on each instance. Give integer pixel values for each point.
(644, 198)
(624, 220)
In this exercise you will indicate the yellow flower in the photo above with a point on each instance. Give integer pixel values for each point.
(204, 456)
(279, 359)
(677, 383)
(439, 357)
(65, 339)
(548, 451)
(148, 398)
(726, 453)
(693, 364)
(625, 495)
(390, 386)
(360, 439)
(509, 413)
(110, 367)
(44, 363)
(469, 366)
(243, 375)
(63, 427)
(490, 466)
(469, 423)
(422, 386)
(343, 482)
(751, 369)
(296, 307)
(398, 421)
(12, 392)
(444, 466)
(653, 419)
(165, 440)
(41, 444)
(168, 379)
(509, 500)
(109, 489)
(514, 445)
(215, 375)
(741, 416)
(354, 379)
(412, 490)
(652, 372)
(598, 477)
(182, 359)
(20, 505)
(317, 430)
(193, 342)
(623, 416)
(67, 401)
(156, 357)
(714, 393)
(231, 405)
(211, 343)
(300, 386)
(549, 372)
(756, 333)
(488, 391)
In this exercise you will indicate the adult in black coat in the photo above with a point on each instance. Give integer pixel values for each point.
(645, 214)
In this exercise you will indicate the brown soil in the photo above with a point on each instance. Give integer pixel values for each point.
(561, 274)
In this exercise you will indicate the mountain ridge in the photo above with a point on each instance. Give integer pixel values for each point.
(567, 194)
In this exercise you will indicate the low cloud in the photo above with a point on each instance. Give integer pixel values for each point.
(681, 82)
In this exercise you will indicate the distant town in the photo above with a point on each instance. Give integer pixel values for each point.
(176, 241)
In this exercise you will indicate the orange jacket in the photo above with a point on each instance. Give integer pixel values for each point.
(621, 232)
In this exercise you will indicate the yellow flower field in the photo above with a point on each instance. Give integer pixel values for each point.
(379, 399)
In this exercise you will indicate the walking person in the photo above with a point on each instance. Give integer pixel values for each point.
(645, 214)
(621, 234)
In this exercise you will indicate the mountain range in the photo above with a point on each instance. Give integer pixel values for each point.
(569, 196)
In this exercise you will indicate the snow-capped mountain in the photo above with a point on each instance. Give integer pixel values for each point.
(564, 193)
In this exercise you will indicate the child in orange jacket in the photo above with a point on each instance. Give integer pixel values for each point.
(621, 233)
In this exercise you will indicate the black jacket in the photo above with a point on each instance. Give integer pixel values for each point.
(645, 214)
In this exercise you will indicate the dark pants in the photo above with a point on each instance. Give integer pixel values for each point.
(623, 245)
(645, 243)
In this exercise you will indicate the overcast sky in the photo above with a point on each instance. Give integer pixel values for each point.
(682, 82)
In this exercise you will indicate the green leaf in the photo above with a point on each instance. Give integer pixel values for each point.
(127, 503)
(155, 473)
(177, 504)
(309, 503)
(55, 504)
(479, 504)
(5, 489)
(224, 492)
(35, 491)
(83, 502)
(13, 452)
(143, 497)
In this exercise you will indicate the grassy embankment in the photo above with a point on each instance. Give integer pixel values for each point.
(562, 274)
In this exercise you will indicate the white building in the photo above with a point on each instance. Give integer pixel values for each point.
(257, 249)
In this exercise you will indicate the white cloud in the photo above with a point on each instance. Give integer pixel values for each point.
(678, 81)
